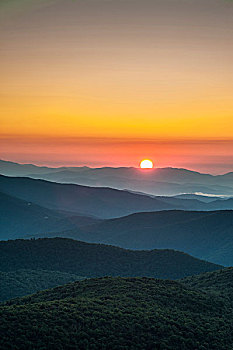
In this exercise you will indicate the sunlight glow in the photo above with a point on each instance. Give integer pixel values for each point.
(146, 164)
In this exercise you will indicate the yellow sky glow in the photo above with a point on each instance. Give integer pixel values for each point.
(150, 70)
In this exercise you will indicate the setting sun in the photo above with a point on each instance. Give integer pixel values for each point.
(146, 164)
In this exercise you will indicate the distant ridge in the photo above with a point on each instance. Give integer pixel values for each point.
(206, 235)
(20, 217)
(95, 201)
(160, 181)
(83, 200)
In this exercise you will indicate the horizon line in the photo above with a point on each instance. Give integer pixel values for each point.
(111, 167)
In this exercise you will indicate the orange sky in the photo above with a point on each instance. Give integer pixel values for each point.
(110, 82)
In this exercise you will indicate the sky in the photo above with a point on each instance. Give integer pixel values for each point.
(110, 82)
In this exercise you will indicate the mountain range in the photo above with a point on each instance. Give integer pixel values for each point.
(206, 235)
(173, 292)
(160, 181)
(38, 208)
(95, 201)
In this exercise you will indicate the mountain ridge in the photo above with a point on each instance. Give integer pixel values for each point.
(204, 234)
(6, 162)
(19, 217)
(102, 202)
(84, 200)
(97, 260)
(159, 181)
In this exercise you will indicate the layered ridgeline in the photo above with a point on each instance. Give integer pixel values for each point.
(206, 235)
(19, 218)
(161, 181)
(99, 202)
(119, 313)
(30, 207)
(81, 200)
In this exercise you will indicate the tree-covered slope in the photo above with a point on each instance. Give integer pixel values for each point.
(22, 282)
(96, 260)
(220, 281)
(118, 313)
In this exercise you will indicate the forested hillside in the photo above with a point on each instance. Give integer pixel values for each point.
(22, 282)
(97, 260)
(220, 282)
(118, 313)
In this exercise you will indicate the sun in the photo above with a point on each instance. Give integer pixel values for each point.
(146, 164)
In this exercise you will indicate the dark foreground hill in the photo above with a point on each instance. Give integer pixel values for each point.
(206, 235)
(118, 313)
(220, 282)
(19, 218)
(96, 260)
(22, 282)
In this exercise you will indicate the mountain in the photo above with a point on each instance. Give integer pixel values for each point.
(164, 181)
(36, 207)
(159, 181)
(174, 175)
(118, 313)
(225, 204)
(95, 260)
(22, 282)
(99, 202)
(19, 218)
(190, 202)
(91, 201)
(142, 184)
(16, 169)
(206, 235)
(220, 282)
